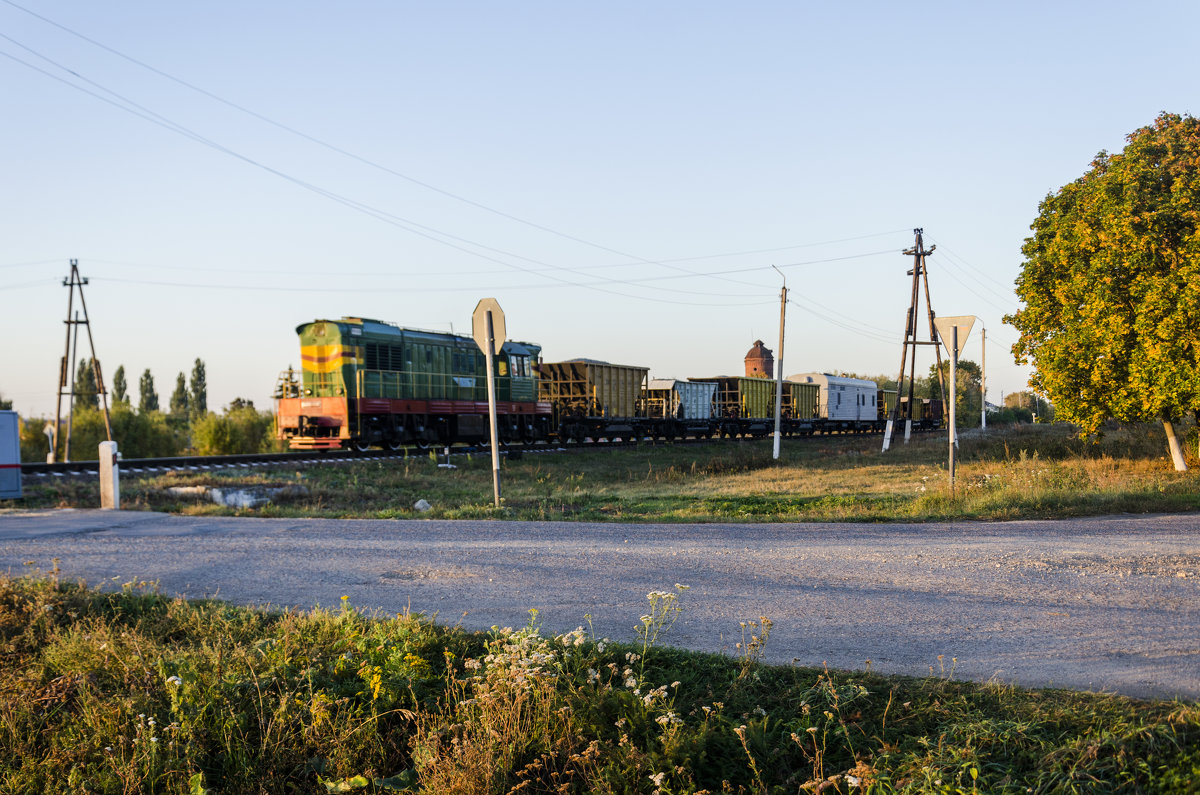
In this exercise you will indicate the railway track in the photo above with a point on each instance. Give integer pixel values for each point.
(138, 466)
(36, 471)
(200, 463)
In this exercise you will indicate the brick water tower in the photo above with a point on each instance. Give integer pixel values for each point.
(760, 362)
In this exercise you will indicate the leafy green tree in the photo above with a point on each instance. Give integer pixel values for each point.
(5, 405)
(137, 434)
(147, 397)
(199, 396)
(1032, 404)
(1111, 286)
(968, 391)
(241, 429)
(179, 398)
(120, 389)
(86, 392)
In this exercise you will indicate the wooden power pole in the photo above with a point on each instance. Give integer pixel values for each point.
(66, 370)
(919, 274)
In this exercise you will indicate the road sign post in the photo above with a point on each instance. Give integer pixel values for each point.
(953, 332)
(487, 327)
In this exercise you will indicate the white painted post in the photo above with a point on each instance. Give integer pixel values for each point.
(110, 477)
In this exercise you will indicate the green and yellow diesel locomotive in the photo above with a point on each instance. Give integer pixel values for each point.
(366, 383)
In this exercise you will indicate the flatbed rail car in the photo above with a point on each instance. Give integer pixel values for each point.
(366, 383)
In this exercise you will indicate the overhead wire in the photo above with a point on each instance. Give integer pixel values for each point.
(342, 151)
(535, 286)
(147, 114)
(408, 225)
(403, 223)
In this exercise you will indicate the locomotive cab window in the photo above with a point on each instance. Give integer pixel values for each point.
(520, 366)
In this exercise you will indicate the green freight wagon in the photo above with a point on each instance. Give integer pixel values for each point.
(745, 406)
(594, 399)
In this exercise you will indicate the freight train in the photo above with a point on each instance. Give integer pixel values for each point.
(365, 383)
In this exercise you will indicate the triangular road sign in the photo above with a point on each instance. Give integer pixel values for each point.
(945, 329)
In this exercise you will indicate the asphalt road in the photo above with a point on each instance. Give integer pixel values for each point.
(1096, 604)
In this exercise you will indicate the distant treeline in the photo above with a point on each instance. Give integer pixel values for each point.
(145, 431)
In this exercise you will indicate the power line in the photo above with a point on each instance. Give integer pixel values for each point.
(340, 150)
(410, 226)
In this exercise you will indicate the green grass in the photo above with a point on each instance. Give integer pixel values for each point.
(1011, 473)
(129, 691)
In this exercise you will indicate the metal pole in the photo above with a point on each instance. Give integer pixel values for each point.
(491, 377)
(953, 396)
(983, 383)
(779, 365)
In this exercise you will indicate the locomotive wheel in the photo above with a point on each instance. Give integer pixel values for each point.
(361, 445)
(422, 444)
(395, 445)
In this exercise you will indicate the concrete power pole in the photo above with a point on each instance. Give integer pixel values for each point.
(779, 364)
(983, 381)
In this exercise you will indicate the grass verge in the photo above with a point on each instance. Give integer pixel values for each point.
(1017, 472)
(129, 691)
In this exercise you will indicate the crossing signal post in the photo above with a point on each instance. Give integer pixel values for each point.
(487, 327)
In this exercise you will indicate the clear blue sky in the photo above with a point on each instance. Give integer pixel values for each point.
(620, 176)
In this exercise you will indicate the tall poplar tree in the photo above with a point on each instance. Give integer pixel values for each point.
(86, 391)
(147, 397)
(1111, 286)
(199, 395)
(120, 389)
(179, 398)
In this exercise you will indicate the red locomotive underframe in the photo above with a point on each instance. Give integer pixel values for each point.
(337, 412)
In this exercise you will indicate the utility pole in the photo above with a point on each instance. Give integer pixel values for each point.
(918, 252)
(779, 364)
(983, 381)
(71, 353)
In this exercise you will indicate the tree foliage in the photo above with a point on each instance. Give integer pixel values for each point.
(179, 398)
(241, 429)
(968, 395)
(198, 399)
(120, 390)
(137, 434)
(1111, 284)
(147, 397)
(86, 392)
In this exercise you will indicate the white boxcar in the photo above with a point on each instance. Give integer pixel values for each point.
(683, 400)
(846, 399)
